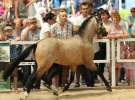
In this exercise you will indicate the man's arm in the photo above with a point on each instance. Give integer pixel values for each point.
(16, 9)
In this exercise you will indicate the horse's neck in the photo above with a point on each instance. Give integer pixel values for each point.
(90, 32)
(88, 40)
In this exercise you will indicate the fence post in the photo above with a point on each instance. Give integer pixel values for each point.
(113, 62)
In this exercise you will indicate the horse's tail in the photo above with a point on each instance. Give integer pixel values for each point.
(8, 71)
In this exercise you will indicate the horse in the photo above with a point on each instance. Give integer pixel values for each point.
(72, 52)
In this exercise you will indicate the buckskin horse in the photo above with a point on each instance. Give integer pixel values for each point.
(72, 52)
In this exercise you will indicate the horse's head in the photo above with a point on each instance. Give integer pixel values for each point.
(91, 27)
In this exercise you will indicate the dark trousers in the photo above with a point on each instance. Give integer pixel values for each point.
(122, 73)
(88, 75)
(26, 71)
(54, 70)
(100, 55)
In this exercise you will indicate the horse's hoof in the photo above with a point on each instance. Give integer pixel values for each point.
(55, 90)
(48, 86)
(60, 91)
(109, 88)
(24, 96)
(65, 88)
(55, 93)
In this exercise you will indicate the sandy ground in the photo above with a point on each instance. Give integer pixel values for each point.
(75, 94)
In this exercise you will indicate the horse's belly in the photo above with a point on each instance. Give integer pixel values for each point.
(69, 58)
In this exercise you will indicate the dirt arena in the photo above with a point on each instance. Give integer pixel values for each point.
(76, 94)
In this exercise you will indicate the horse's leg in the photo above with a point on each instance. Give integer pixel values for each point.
(100, 73)
(88, 75)
(32, 78)
(54, 70)
(108, 87)
(42, 68)
(73, 69)
(69, 83)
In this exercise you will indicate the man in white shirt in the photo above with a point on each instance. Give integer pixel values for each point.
(85, 12)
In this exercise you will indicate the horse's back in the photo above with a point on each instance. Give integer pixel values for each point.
(46, 49)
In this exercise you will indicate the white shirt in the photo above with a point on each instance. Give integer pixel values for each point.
(45, 28)
(77, 20)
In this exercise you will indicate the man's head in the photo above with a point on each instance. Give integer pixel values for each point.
(132, 10)
(32, 23)
(8, 30)
(85, 8)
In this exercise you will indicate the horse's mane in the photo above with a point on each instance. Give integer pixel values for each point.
(83, 25)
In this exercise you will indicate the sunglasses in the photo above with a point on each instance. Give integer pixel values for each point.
(132, 11)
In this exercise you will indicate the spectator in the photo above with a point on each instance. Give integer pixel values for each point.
(118, 30)
(105, 16)
(62, 30)
(118, 27)
(29, 33)
(8, 35)
(131, 20)
(101, 54)
(85, 12)
(20, 14)
(49, 20)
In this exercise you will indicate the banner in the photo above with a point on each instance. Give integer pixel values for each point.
(4, 52)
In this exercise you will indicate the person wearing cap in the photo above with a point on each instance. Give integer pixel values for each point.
(8, 34)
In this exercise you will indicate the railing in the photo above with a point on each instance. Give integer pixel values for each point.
(111, 55)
